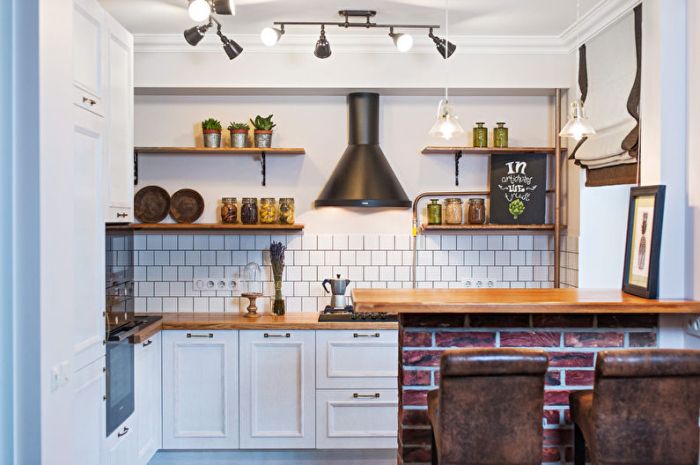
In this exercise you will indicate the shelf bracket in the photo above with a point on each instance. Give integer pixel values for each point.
(263, 168)
(136, 167)
(458, 155)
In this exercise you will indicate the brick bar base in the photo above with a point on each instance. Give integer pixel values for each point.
(571, 341)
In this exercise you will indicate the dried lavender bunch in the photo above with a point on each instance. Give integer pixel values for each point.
(277, 257)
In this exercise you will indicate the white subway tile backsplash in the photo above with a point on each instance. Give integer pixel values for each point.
(184, 273)
(402, 273)
(185, 242)
(495, 242)
(208, 258)
(402, 242)
(432, 242)
(325, 242)
(192, 257)
(378, 257)
(464, 242)
(347, 257)
(154, 242)
(355, 242)
(441, 258)
(487, 258)
(371, 273)
(332, 258)
(433, 273)
(394, 258)
(154, 273)
(510, 242)
(363, 257)
(386, 242)
(449, 273)
(355, 273)
(262, 242)
(177, 257)
(449, 242)
(340, 242)
(308, 273)
(371, 242)
(525, 243)
(170, 242)
(169, 273)
(201, 242)
(480, 242)
(232, 242)
(317, 257)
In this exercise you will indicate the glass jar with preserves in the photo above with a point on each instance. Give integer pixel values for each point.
(229, 210)
(268, 211)
(434, 212)
(481, 135)
(500, 136)
(286, 210)
(453, 211)
(249, 211)
(476, 213)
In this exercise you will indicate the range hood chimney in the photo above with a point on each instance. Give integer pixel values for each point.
(363, 176)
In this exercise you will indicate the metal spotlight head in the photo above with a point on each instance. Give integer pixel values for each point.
(225, 7)
(231, 47)
(323, 48)
(195, 34)
(444, 48)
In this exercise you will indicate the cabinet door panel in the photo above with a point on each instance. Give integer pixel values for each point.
(89, 415)
(88, 51)
(277, 389)
(200, 390)
(120, 446)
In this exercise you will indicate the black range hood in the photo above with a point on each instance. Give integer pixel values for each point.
(363, 176)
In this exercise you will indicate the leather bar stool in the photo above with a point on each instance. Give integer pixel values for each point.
(488, 409)
(643, 409)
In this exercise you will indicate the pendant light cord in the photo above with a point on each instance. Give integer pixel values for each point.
(578, 50)
(447, 38)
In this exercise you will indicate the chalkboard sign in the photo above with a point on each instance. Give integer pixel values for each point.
(518, 188)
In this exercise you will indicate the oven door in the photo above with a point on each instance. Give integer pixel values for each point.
(120, 383)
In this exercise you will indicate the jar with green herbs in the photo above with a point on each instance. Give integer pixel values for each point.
(480, 135)
(453, 211)
(229, 210)
(249, 211)
(476, 213)
(500, 135)
(434, 212)
(268, 211)
(286, 210)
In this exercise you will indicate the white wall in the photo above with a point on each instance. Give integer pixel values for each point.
(319, 124)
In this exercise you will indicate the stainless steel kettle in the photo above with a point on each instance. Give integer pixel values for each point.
(338, 288)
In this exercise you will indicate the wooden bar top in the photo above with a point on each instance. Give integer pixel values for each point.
(214, 321)
(514, 301)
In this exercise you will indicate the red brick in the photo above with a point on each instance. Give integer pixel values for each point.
(556, 398)
(530, 339)
(487, 320)
(562, 321)
(552, 378)
(432, 320)
(428, 358)
(642, 339)
(571, 359)
(415, 397)
(416, 378)
(551, 454)
(415, 454)
(579, 377)
(416, 437)
(567, 417)
(465, 339)
(551, 417)
(436, 378)
(414, 417)
(628, 321)
(557, 437)
(417, 339)
(593, 339)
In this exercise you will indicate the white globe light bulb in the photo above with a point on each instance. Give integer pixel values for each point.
(404, 42)
(269, 36)
(199, 10)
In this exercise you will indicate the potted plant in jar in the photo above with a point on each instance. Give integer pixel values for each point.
(263, 131)
(211, 128)
(239, 134)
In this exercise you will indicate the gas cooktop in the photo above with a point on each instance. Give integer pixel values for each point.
(348, 314)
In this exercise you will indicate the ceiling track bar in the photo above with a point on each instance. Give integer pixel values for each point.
(359, 25)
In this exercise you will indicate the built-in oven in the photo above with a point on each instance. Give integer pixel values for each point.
(120, 382)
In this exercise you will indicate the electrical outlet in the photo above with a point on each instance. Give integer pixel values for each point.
(216, 284)
(478, 283)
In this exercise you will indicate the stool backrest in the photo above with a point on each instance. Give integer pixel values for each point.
(646, 405)
(490, 406)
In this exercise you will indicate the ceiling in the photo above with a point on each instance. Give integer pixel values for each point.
(467, 17)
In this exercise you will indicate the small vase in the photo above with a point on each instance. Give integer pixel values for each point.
(278, 305)
(263, 139)
(212, 138)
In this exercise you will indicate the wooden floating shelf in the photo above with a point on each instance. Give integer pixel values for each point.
(487, 227)
(435, 150)
(214, 226)
(219, 151)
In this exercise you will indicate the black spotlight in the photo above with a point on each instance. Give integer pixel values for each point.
(195, 34)
(444, 48)
(231, 48)
(225, 7)
(323, 48)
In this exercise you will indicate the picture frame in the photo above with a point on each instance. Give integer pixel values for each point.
(643, 245)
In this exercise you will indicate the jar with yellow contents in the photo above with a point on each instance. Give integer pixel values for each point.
(286, 210)
(268, 211)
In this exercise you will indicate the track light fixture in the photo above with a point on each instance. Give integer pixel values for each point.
(402, 41)
(200, 10)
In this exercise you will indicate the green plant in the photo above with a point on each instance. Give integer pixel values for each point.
(211, 124)
(233, 126)
(263, 124)
(516, 208)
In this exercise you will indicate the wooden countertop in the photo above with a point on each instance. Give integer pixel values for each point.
(513, 301)
(213, 321)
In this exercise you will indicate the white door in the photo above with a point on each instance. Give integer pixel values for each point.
(119, 156)
(89, 415)
(200, 389)
(120, 447)
(88, 55)
(149, 434)
(89, 236)
(277, 390)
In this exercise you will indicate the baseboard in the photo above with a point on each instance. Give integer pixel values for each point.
(284, 457)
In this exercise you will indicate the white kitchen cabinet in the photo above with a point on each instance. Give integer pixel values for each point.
(148, 398)
(119, 153)
(277, 389)
(200, 389)
(356, 419)
(89, 55)
(88, 236)
(120, 446)
(89, 412)
(357, 359)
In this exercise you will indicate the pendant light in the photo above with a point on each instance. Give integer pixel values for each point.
(578, 126)
(447, 125)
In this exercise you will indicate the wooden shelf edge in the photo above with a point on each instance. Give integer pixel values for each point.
(437, 150)
(220, 150)
(213, 226)
(488, 227)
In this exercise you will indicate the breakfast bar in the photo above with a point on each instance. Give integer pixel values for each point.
(571, 325)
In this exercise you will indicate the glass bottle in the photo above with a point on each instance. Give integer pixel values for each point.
(229, 210)
(249, 211)
(477, 211)
(481, 135)
(434, 212)
(500, 136)
(453, 211)
(286, 210)
(268, 211)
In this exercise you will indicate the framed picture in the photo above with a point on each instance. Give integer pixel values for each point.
(518, 188)
(644, 224)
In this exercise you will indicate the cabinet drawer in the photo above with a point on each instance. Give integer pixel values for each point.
(356, 419)
(87, 101)
(356, 359)
(119, 215)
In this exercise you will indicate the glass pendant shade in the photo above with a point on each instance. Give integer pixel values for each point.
(447, 125)
(578, 126)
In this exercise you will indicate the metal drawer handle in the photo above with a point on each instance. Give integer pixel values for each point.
(376, 395)
(123, 433)
(277, 335)
(122, 215)
(90, 101)
(208, 336)
(366, 335)
(147, 343)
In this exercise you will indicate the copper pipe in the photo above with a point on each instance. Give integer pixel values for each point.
(557, 188)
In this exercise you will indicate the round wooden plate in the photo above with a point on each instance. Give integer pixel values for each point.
(151, 204)
(186, 206)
